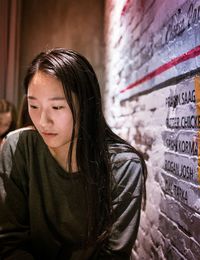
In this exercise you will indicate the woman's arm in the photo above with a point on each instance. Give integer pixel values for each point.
(126, 198)
(14, 213)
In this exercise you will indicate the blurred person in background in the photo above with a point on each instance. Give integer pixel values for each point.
(8, 118)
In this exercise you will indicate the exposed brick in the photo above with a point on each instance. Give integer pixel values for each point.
(159, 116)
(184, 243)
(183, 216)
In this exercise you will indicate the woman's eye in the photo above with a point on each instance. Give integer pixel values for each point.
(33, 107)
(57, 107)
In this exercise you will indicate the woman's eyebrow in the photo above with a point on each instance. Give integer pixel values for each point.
(57, 98)
(31, 97)
(53, 98)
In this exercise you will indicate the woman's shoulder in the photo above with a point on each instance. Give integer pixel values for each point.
(121, 152)
(15, 136)
(24, 131)
(126, 170)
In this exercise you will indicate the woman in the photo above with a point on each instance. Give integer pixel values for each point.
(7, 118)
(72, 189)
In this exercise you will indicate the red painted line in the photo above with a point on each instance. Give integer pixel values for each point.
(125, 8)
(186, 56)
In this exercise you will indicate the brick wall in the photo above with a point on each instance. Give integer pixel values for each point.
(152, 100)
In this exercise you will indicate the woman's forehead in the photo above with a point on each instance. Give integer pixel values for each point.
(43, 84)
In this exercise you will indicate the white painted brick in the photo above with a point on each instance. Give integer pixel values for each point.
(136, 46)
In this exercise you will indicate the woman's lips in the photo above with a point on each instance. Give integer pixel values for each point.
(48, 134)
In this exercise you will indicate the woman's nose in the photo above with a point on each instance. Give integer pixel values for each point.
(45, 119)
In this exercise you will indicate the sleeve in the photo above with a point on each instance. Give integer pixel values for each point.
(14, 224)
(126, 200)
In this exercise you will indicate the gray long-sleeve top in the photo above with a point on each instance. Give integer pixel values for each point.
(41, 205)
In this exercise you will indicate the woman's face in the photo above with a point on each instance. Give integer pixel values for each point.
(49, 111)
(5, 122)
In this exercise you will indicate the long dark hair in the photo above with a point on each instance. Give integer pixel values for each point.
(24, 119)
(94, 135)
